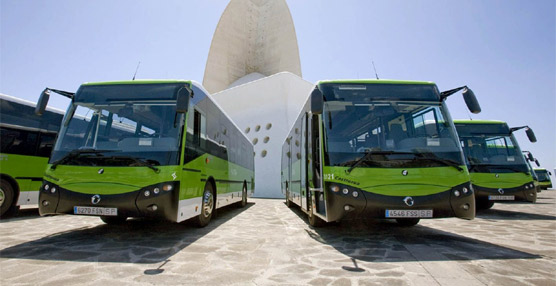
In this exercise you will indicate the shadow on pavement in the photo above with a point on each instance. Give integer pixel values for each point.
(512, 215)
(136, 241)
(386, 241)
(23, 214)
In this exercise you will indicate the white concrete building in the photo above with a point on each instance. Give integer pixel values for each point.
(254, 71)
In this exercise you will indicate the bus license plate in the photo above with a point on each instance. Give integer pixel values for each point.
(501, 198)
(408, 213)
(95, 211)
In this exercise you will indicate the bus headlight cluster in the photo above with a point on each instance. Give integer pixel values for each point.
(345, 191)
(50, 188)
(157, 189)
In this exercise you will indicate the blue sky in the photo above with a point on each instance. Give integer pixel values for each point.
(504, 50)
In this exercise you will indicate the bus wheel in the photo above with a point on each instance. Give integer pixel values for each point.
(313, 219)
(7, 195)
(207, 206)
(408, 221)
(288, 202)
(113, 219)
(243, 201)
(484, 204)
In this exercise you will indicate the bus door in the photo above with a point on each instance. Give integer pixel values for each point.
(313, 161)
(303, 161)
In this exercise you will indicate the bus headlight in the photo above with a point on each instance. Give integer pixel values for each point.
(465, 190)
(53, 190)
(46, 187)
(527, 187)
(457, 193)
(355, 194)
(167, 187)
(334, 188)
(345, 191)
(156, 191)
(147, 193)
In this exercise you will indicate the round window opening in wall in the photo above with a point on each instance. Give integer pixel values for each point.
(257, 128)
(268, 126)
(263, 153)
(247, 130)
(255, 141)
(266, 139)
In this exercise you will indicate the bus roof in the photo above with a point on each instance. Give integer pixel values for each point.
(539, 169)
(470, 121)
(29, 103)
(138, 81)
(371, 81)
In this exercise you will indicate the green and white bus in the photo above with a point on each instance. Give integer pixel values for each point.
(496, 164)
(26, 142)
(377, 149)
(146, 148)
(544, 178)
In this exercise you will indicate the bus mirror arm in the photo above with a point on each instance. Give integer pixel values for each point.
(528, 130)
(468, 95)
(183, 99)
(45, 96)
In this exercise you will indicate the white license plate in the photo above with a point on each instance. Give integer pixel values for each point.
(501, 198)
(408, 213)
(95, 211)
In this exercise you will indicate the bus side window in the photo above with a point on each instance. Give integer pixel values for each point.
(46, 142)
(199, 129)
(18, 142)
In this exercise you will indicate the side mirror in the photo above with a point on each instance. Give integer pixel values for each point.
(317, 101)
(537, 162)
(183, 96)
(530, 156)
(531, 135)
(43, 101)
(471, 101)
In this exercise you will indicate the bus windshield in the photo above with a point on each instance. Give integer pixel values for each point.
(105, 130)
(414, 131)
(491, 148)
(542, 175)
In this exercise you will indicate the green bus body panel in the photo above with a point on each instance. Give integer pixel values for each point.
(391, 182)
(504, 180)
(114, 180)
(142, 81)
(545, 184)
(378, 81)
(467, 121)
(22, 168)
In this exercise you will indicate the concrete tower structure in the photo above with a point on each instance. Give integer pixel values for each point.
(254, 71)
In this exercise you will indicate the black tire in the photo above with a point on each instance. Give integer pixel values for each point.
(113, 219)
(314, 221)
(408, 221)
(243, 201)
(7, 197)
(484, 204)
(207, 206)
(288, 202)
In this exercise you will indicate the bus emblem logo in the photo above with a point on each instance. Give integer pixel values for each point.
(95, 199)
(405, 172)
(409, 201)
(101, 171)
(501, 191)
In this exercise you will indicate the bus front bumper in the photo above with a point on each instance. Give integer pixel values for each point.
(450, 203)
(525, 193)
(145, 202)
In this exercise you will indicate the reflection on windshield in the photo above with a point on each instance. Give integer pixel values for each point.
(396, 134)
(127, 133)
(542, 175)
(493, 153)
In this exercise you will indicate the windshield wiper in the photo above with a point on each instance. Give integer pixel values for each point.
(75, 154)
(140, 162)
(432, 157)
(368, 152)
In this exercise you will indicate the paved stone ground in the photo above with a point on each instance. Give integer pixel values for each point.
(267, 244)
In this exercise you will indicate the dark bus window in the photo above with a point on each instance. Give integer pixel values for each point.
(18, 142)
(45, 144)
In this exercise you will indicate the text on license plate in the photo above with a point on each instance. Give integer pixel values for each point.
(408, 213)
(95, 211)
(501, 198)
